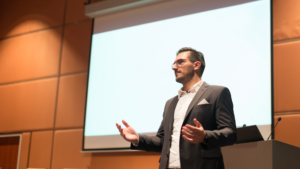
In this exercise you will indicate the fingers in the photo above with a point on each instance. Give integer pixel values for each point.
(197, 123)
(190, 128)
(187, 132)
(127, 133)
(193, 134)
(188, 139)
(120, 128)
(121, 131)
(125, 123)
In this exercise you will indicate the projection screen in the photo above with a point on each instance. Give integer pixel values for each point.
(130, 75)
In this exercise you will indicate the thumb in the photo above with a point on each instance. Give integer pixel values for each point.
(198, 125)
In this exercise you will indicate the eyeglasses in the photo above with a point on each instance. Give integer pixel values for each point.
(178, 63)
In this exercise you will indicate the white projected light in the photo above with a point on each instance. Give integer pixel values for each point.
(130, 74)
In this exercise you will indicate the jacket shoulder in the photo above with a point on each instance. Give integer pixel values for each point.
(217, 88)
(170, 100)
(168, 104)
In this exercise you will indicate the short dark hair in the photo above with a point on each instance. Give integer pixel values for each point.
(194, 56)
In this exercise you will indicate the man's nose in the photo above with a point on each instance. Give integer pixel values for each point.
(174, 67)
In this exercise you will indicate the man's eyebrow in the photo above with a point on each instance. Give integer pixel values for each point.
(180, 60)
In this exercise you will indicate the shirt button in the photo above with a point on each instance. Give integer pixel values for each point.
(181, 150)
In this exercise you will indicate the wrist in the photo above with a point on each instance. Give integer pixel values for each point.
(205, 138)
(137, 140)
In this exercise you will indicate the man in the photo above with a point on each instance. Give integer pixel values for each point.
(195, 124)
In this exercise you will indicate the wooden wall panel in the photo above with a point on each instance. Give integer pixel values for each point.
(27, 106)
(129, 160)
(94, 1)
(24, 154)
(9, 151)
(286, 18)
(76, 47)
(71, 101)
(286, 76)
(30, 56)
(288, 129)
(21, 16)
(66, 150)
(75, 11)
(41, 149)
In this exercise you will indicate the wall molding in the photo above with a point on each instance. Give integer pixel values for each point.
(42, 78)
(286, 40)
(287, 113)
(44, 29)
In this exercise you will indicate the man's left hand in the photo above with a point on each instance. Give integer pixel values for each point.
(194, 134)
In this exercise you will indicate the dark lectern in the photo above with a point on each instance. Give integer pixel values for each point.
(261, 155)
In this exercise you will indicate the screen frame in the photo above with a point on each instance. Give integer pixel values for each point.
(272, 69)
(128, 149)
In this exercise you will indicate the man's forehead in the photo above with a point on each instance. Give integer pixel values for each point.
(183, 55)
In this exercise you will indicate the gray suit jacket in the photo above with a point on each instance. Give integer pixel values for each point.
(217, 119)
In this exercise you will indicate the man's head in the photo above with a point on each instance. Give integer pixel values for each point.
(187, 64)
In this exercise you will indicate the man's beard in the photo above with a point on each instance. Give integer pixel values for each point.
(185, 78)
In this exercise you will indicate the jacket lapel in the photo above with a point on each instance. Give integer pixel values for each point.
(198, 95)
(171, 111)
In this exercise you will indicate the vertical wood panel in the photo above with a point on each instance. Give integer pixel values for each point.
(286, 76)
(24, 154)
(76, 47)
(288, 129)
(9, 150)
(41, 149)
(71, 101)
(286, 18)
(66, 150)
(28, 106)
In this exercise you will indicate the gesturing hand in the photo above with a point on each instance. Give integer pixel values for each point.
(128, 133)
(194, 134)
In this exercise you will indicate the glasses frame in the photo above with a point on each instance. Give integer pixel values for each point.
(182, 63)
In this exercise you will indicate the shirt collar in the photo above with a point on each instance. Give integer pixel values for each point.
(194, 89)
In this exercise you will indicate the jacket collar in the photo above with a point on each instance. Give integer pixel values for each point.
(197, 97)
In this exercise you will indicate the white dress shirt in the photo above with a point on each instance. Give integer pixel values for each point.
(184, 100)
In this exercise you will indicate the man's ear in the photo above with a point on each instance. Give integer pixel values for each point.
(197, 65)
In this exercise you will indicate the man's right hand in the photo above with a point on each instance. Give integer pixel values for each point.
(128, 133)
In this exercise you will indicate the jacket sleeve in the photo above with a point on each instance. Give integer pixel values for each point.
(225, 134)
(153, 143)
